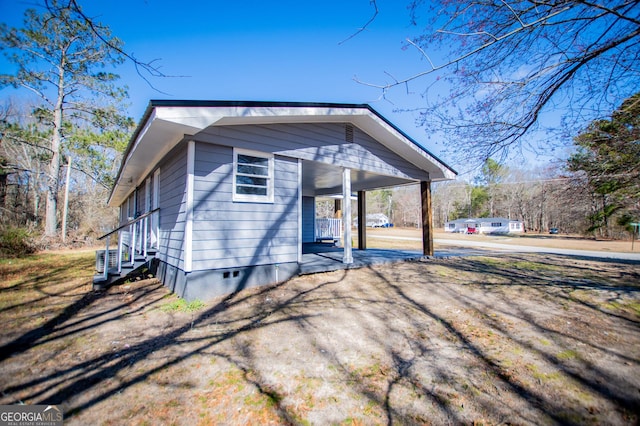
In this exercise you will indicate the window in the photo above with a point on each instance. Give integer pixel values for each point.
(496, 224)
(252, 176)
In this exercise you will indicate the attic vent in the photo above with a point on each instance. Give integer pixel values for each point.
(348, 133)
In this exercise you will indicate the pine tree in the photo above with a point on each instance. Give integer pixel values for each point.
(67, 61)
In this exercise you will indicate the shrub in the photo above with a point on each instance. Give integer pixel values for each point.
(15, 242)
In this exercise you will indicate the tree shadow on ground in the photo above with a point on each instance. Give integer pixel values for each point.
(440, 341)
(558, 291)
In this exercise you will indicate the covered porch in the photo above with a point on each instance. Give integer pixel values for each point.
(323, 257)
(320, 179)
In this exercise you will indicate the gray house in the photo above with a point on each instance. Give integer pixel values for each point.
(221, 195)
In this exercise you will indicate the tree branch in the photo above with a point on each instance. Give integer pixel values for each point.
(140, 66)
(364, 27)
(465, 55)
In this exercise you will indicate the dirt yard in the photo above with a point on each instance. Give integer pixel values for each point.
(411, 238)
(533, 339)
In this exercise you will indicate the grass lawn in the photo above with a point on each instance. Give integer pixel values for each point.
(518, 339)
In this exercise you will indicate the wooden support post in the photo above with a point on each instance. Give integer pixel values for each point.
(362, 220)
(427, 218)
(337, 209)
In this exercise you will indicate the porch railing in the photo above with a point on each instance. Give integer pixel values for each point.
(133, 239)
(328, 229)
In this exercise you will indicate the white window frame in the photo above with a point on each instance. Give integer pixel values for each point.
(254, 198)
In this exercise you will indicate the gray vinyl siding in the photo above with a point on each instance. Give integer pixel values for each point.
(322, 142)
(124, 213)
(173, 181)
(131, 208)
(229, 234)
(308, 219)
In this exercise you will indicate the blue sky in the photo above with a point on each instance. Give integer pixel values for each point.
(259, 50)
(266, 51)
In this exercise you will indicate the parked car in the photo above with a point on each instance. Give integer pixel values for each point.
(472, 230)
(553, 230)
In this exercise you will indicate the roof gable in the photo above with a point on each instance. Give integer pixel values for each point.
(166, 123)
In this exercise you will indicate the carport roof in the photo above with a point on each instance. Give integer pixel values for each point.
(166, 122)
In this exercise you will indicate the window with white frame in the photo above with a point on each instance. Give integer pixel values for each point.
(252, 176)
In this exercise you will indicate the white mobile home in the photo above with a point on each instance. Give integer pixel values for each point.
(377, 220)
(222, 194)
(484, 225)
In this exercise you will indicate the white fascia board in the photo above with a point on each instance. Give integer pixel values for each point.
(162, 131)
(364, 119)
(124, 185)
(274, 115)
(166, 126)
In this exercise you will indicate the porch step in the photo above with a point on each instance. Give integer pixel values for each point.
(138, 261)
(98, 279)
(100, 282)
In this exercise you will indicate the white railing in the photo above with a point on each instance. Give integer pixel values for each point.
(328, 229)
(133, 238)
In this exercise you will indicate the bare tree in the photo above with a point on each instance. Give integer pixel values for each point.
(102, 34)
(408, 206)
(24, 147)
(510, 62)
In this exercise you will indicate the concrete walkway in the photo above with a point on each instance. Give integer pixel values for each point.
(325, 258)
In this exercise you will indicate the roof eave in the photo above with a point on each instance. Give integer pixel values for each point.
(176, 116)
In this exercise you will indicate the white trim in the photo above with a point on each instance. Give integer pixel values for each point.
(156, 189)
(188, 225)
(253, 198)
(300, 210)
(346, 216)
(155, 203)
(125, 161)
(166, 125)
(145, 222)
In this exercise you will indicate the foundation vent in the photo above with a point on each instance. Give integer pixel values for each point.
(348, 133)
